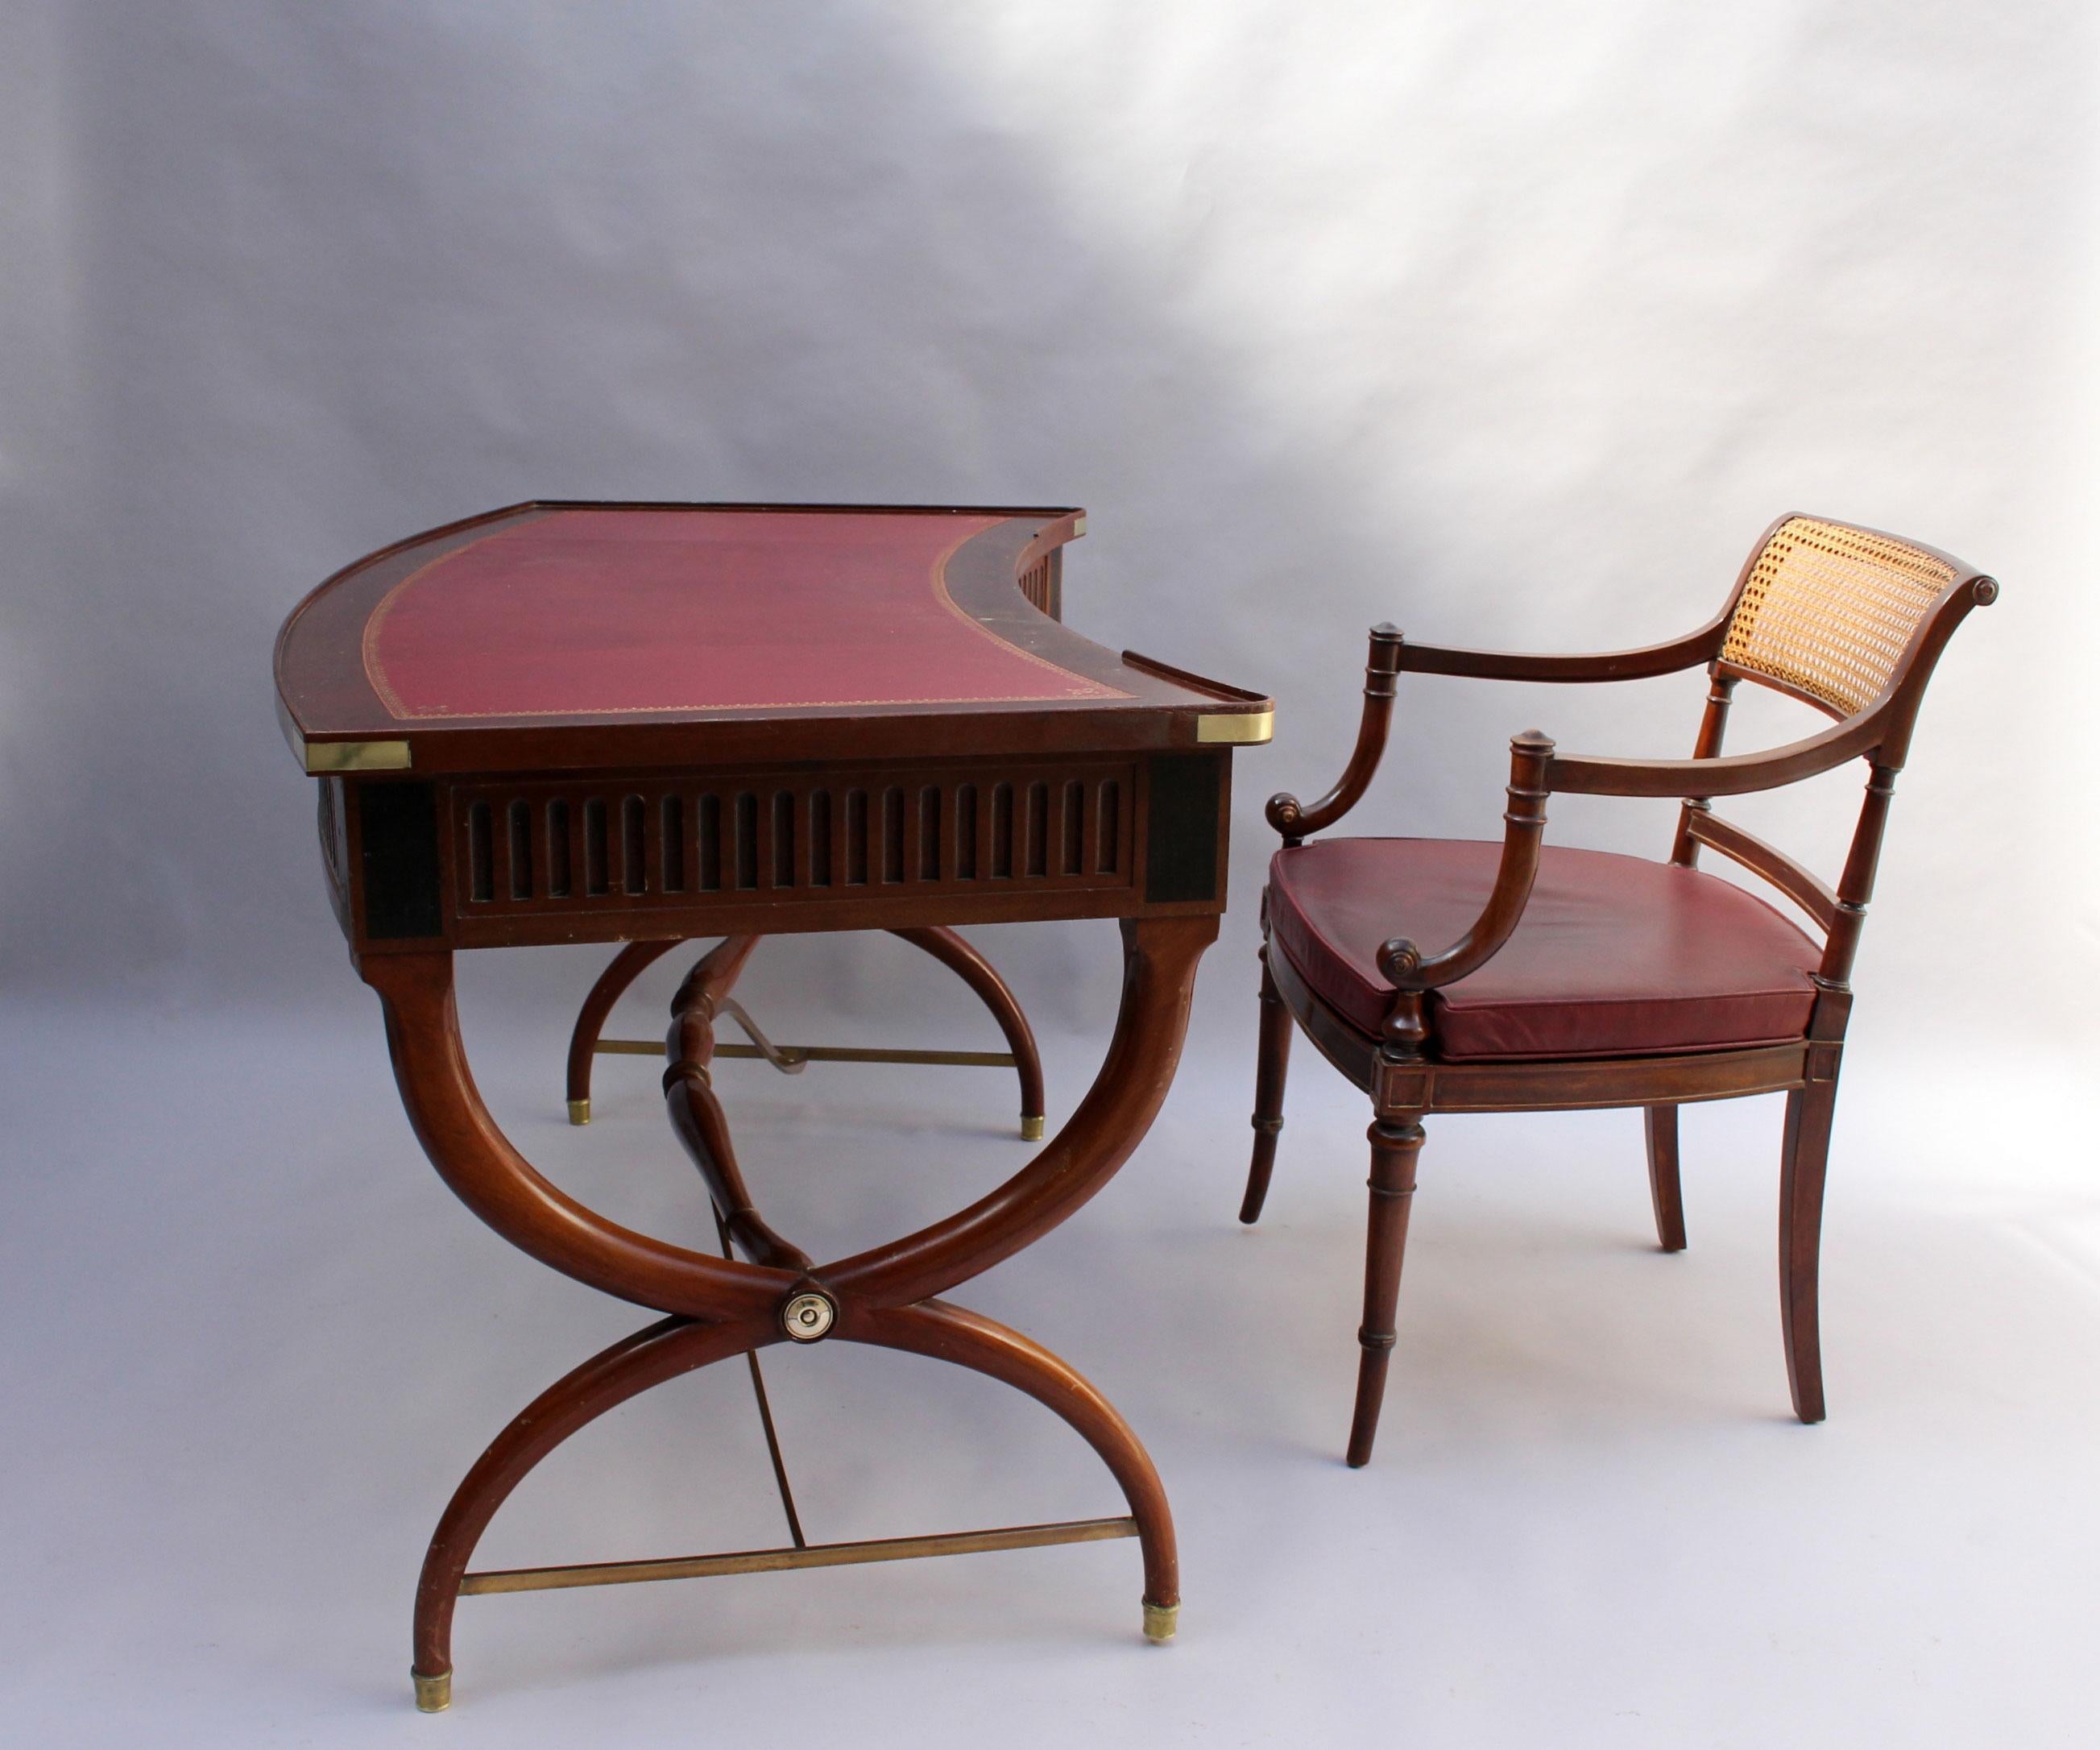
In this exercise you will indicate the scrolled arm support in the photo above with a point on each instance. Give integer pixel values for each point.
(1402, 962)
(1296, 820)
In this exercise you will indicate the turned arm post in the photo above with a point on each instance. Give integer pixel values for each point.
(1713, 726)
(1295, 820)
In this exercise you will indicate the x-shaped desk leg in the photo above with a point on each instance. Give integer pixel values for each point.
(720, 1308)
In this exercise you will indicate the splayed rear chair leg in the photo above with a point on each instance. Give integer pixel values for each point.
(1665, 1191)
(1809, 1112)
(1272, 1064)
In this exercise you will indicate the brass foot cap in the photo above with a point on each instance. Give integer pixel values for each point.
(1160, 1621)
(580, 1112)
(1031, 1127)
(433, 1694)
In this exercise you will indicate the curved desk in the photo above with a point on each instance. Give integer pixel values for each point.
(649, 723)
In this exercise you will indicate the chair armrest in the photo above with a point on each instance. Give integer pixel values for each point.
(1391, 655)
(1733, 775)
(1293, 819)
(1678, 654)
(1402, 962)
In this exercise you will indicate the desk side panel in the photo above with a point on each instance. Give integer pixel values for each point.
(494, 861)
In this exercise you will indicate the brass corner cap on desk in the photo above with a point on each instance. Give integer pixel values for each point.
(320, 757)
(1247, 728)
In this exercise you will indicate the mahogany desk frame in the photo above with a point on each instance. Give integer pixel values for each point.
(1142, 773)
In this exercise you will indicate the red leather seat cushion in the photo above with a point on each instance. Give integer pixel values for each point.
(1614, 955)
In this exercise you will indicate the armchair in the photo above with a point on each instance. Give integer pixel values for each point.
(1533, 977)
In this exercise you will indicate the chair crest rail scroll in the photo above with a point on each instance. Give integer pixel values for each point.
(1452, 976)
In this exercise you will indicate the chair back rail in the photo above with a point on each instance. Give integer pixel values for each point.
(1798, 884)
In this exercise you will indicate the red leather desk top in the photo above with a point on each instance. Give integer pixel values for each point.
(601, 613)
(551, 635)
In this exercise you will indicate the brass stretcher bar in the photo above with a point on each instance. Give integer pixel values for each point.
(793, 1054)
(805, 1555)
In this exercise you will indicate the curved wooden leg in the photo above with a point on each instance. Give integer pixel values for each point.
(1809, 1112)
(487, 1173)
(725, 1307)
(1272, 1063)
(992, 991)
(661, 1351)
(627, 966)
(1663, 1188)
(1396, 1141)
(967, 1339)
(717, 971)
(1160, 956)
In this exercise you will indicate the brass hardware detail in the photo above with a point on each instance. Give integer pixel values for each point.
(579, 1109)
(815, 1555)
(321, 757)
(793, 1056)
(1247, 728)
(1031, 1127)
(808, 1317)
(433, 1694)
(1160, 1621)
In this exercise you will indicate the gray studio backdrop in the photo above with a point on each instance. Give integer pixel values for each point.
(1513, 323)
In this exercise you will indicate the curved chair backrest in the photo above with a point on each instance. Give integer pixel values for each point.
(1826, 612)
(1851, 620)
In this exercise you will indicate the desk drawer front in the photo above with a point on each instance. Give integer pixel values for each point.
(601, 844)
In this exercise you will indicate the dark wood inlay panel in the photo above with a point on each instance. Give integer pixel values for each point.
(668, 840)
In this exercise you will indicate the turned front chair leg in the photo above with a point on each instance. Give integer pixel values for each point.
(1665, 1189)
(1272, 1064)
(1395, 1142)
(1809, 1112)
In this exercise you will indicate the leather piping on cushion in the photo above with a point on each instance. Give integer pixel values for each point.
(1615, 956)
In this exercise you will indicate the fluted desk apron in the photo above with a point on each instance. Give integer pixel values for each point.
(648, 724)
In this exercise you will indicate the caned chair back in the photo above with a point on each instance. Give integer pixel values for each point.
(1827, 610)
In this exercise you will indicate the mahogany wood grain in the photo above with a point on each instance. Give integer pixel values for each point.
(657, 1353)
(1665, 1189)
(948, 947)
(492, 1178)
(1402, 961)
(1160, 956)
(627, 965)
(1806, 1156)
(952, 1333)
(1797, 882)
(1295, 820)
(1396, 1140)
(1273, 1065)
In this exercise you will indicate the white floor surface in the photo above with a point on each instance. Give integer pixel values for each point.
(252, 1343)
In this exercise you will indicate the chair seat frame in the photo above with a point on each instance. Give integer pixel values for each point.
(1400, 1068)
